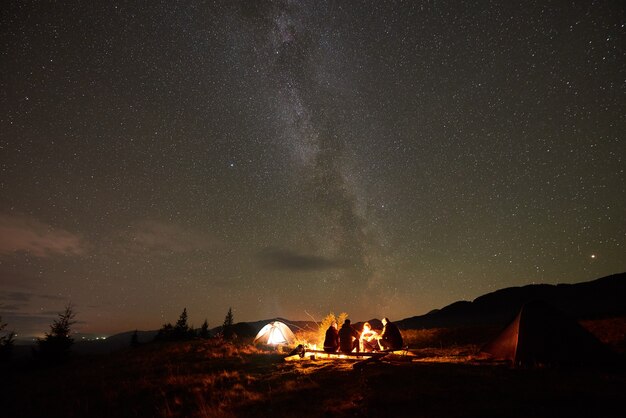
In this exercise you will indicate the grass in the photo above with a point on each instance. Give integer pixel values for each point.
(175, 379)
(611, 331)
(216, 379)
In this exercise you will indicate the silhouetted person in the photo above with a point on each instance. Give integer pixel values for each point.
(390, 338)
(331, 342)
(348, 338)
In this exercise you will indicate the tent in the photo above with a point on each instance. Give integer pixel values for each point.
(274, 333)
(541, 335)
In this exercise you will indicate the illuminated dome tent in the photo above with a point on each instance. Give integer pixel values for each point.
(274, 333)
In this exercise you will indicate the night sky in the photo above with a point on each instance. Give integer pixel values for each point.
(291, 158)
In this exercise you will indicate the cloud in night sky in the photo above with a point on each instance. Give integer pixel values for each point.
(17, 279)
(25, 296)
(39, 319)
(25, 234)
(282, 259)
(16, 305)
(15, 296)
(52, 297)
(11, 308)
(161, 237)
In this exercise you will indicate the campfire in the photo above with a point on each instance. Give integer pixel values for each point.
(366, 345)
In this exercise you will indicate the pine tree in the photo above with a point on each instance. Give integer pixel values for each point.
(181, 329)
(204, 330)
(182, 320)
(227, 329)
(6, 341)
(57, 343)
(178, 332)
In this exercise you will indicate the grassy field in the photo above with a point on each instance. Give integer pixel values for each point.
(214, 379)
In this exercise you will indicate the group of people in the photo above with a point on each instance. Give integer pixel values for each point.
(347, 339)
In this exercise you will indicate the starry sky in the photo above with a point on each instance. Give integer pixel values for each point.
(292, 157)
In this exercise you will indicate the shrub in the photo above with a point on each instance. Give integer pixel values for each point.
(326, 322)
(204, 330)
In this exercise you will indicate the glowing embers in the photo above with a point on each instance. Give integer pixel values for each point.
(368, 341)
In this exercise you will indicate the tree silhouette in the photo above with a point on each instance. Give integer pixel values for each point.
(165, 333)
(6, 341)
(57, 343)
(228, 331)
(204, 330)
(181, 329)
(134, 340)
(178, 332)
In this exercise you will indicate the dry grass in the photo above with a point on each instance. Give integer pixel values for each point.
(611, 331)
(307, 337)
(214, 379)
(449, 337)
(199, 378)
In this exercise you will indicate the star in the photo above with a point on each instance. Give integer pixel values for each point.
(383, 150)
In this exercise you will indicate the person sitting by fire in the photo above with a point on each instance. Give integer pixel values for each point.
(369, 338)
(390, 338)
(331, 341)
(348, 338)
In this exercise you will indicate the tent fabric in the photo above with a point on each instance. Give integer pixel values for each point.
(541, 335)
(274, 333)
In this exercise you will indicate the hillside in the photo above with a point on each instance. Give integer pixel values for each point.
(601, 298)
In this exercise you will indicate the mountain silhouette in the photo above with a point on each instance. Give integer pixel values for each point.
(601, 298)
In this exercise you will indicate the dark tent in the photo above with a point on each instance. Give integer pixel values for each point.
(541, 335)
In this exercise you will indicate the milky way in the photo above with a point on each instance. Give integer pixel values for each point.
(289, 158)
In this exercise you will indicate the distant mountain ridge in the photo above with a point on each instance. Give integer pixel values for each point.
(601, 298)
(122, 340)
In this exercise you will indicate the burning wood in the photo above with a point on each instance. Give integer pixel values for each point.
(368, 341)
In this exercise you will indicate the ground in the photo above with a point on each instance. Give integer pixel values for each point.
(212, 378)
